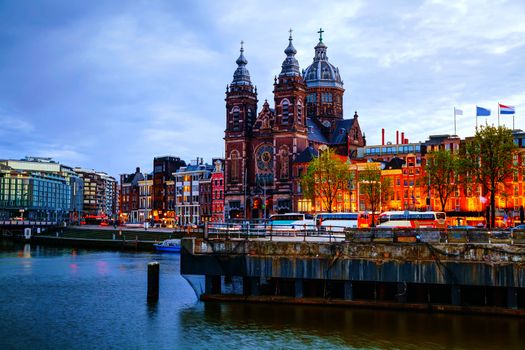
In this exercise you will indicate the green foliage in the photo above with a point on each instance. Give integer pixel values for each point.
(325, 179)
(375, 188)
(443, 168)
(488, 160)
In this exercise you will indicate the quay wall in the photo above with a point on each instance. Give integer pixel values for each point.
(490, 265)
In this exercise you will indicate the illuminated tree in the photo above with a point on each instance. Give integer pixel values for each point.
(374, 187)
(488, 161)
(443, 170)
(326, 177)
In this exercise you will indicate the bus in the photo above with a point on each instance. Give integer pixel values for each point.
(412, 219)
(292, 222)
(337, 222)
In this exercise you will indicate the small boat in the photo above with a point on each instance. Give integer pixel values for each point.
(168, 245)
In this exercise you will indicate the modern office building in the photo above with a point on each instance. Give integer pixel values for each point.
(37, 188)
(100, 193)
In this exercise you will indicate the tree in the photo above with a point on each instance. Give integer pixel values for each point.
(326, 177)
(375, 188)
(443, 170)
(488, 161)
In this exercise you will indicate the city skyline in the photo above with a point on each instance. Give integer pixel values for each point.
(110, 86)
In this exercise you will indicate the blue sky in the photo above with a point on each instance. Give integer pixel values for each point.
(109, 85)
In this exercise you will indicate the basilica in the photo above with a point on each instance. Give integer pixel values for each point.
(262, 146)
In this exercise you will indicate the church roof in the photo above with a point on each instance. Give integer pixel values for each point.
(314, 132)
(341, 131)
(337, 137)
(307, 155)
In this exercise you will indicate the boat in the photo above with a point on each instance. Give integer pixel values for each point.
(168, 245)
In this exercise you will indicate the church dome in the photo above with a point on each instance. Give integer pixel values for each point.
(241, 76)
(290, 66)
(322, 73)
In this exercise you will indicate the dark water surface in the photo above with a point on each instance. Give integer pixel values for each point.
(55, 298)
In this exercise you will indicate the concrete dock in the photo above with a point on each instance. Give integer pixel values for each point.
(439, 276)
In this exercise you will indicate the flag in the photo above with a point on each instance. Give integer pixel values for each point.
(482, 112)
(506, 109)
(458, 111)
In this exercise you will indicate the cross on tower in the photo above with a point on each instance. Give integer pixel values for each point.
(290, 32)
(242, 42)
(321, 31)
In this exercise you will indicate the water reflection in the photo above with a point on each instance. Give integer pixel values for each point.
(98, 299)
(358, 328)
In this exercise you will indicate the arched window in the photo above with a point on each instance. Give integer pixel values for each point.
(235, 166)
(285, 106)
(299, 112)
(250, 117)
(235, 119)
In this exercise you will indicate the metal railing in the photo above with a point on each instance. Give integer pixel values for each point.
(249, 230)
(265, 230)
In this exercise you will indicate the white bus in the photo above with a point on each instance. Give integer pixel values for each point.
(412, 219)
(292, 222)
(337, 222)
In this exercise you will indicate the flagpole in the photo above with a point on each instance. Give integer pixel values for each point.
(454, 120)
(476, 118)
(498, 114)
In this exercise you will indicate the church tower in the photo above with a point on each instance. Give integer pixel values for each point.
(241, 109)
(290, 93)
(290, 135)
(324, 100)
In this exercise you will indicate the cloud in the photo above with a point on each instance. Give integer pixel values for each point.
(111, 86)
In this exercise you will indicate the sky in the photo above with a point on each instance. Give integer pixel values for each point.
(109, 85)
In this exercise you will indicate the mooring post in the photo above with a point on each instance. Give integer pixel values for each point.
(153, 281)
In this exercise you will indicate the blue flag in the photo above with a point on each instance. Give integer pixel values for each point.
(482, 112)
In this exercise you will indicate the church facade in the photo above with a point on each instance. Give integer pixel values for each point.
(262, 146)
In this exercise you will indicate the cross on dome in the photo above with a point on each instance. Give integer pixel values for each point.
(321, 31)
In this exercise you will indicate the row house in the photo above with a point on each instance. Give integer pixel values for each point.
(162, 195)
(404, 163)
(187, 190)
(144, 210)
(129, 196)
(211, 194)
(205, 199)
(217, 191)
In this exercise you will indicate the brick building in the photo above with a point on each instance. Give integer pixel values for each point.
(261, 148)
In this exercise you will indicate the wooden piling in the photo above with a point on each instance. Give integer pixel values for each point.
(153, 281)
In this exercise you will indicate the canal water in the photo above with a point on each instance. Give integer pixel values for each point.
(56, 298)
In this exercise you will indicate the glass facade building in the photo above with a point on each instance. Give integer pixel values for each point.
(39, 189)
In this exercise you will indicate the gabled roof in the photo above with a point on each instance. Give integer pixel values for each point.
(338, 137)
(341, 131)
(307, 155)
(314, 132)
